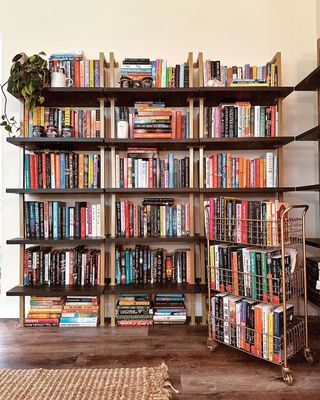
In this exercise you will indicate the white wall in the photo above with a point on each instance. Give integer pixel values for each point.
(233, 31)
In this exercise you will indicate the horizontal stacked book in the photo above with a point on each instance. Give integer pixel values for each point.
(240, 119)
(245, 221)
(135, 71)
(45, 266)
(313, 279)
(216, 74)
(134, 310)
(61, 122)
(143, 168)
(82, 72)
(143, 265)
(169, 309)
(251, 271)
(44, 311)
(56, 220)
(251, 326)
(224, 170)
(155, 217)
(61, 170)
(80, 311)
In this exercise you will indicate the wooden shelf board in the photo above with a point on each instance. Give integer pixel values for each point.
(161, 191)
(312, 134)
(313, 242)
(262, 96)
(248, 190)
(55, 191)
(56, 291)
(157, 239)
(161, 144)
(247, 143)
(72, 97)
(310, 82)
(41, 143)
(154, 288)
(309, 188)
(58, 242)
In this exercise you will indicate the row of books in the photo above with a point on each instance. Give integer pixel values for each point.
(245, 221)
(83, 72)
(250, 325)
(134, 310)
(251, 271)
(155, 217)
(145, 265)
(62, 122)
(61, 170)
(240, 119)
(224, 170)
(248, 75)
(169, 309)
(152, 120)
(44, 311)
(158, 71)
(56, 220)
(80, 311)
(143, 168)
(46, 266)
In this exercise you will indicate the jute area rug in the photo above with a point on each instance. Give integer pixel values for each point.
(85, 384)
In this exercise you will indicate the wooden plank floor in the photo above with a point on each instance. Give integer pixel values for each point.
(194, 371)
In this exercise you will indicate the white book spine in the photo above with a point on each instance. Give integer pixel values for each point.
(117, 171)
(82, 73)
(256, 121)
(269, 169)
(238, 216)
(46, 268)
(83, 267)
(86, 73)
(213, 314)
(275, 170)
(207, 172)
(98, 220)
(94, 220)
(216, 263)
(67, 267)
(87, 222)
(164, 73)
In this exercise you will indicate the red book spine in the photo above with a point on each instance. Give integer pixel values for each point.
(77, 73)
(88, 123)
(89, 219)
(179, 125)
(244, 221)
(83, 222)
(248, 172)
(215, 170)
(273, 120)
(76, 124)
(174, 125)
(127, 217)
(211, 219)
(44, 170)
(257, 173)
(71, 261)
(99, 269)
(57, 170)
(32, 171)
(150, 173)
(36, 171)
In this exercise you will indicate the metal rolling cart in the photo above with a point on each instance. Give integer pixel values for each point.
(288, 285)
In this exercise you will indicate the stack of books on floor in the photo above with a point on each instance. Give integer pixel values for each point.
(169, 309)
(44, 311)
(134, 310)
(80, 311)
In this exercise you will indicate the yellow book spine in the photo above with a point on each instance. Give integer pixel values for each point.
(269, 224)
(81, 171)
(91, 180)
(41, 116)
(254, 72)
(270, 336)
(212, 268)
(26, 122)
(67, 116)
(91, 73)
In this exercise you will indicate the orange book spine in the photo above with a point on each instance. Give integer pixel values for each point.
(127, 217)
(257, 332)
(76, 124)
(179, 125)
(174, 125)
(81, 171)
(241, 172)
(215, 170)
(26, 122)
(44, 170)
(257, 173)
(77, 73)
(247, 173)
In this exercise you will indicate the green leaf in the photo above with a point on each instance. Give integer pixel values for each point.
(8, 128)
(42, 53)
(3, 116)
(16, 57)
(3, 123)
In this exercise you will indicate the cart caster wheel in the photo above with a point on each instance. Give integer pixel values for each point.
(309, 356)
(287, 376)
(211, 344)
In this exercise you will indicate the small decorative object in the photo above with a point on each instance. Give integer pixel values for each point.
(28, 76)
(215, 83)
(67, 131)
(59, 79)
(52, 131)
(126, 82)
(122, 129)
(38, 131)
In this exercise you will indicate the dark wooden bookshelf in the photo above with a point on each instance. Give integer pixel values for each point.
(161, 144)
(313, 242)
(55, 191)
(58, 242)
(155, 288)
(173, 97)
(312, 134)
(247, 190)
(72, 97)
(310, 82)
(56, 291)
(246, 143)
(262, 96)
(309, 188)
(59, 143)
(155, 239)
(160, 191)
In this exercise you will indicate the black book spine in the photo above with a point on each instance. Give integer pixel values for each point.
(77, 220)
(41, 219)
(40, 175)
(48, 170)
(118, 218)
(226, 121)
(27, 219)
(37, 219)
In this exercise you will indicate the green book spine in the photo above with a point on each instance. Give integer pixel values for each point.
(253, 271)
(262, 121)
(264, 267)
(167, 77)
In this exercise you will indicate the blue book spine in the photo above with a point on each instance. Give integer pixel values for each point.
(181, 81)
(30, 128)
(27, 171)
(32, 219)
(77, 319)
(171, 170)
(62, 170)
(55, 210)
(187, 125)
(174, 221)
(153, 71)
(131, 267)
(276, 333)
(219, 169)
(127, 266)
(234, 172)
(224, 170)
(170, 222)
(67, 222)
(118, 274)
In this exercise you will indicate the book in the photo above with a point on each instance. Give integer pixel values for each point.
(80, 311)
(44, 311)
(134, 310)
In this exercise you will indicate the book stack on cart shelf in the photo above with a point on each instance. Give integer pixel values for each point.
(169, 309)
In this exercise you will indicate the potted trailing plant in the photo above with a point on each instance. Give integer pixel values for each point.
(28, 76)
